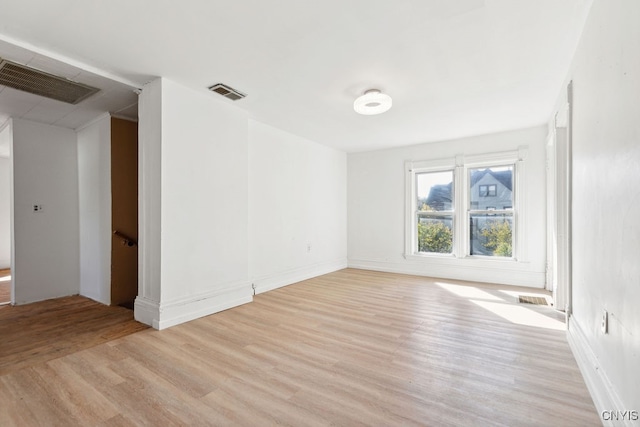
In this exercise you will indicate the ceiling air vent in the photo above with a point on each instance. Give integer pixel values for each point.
(44, 84)
(227, 92)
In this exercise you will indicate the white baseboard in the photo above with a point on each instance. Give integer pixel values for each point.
(283, 278)
(602, 391)
(164, 315)
(473, 273)
(146, 311)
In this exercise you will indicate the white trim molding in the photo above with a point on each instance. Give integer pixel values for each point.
(166, 314)
(146, 311)
(504, 272)
(284, 278)
(600, 387)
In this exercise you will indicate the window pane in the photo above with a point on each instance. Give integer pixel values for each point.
(435, 235)
(491, 234)
(491, 187)
(434, 191)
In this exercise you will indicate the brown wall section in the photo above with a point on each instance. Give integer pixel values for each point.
(124, 211)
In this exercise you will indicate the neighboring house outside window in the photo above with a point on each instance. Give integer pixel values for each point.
(491, 228)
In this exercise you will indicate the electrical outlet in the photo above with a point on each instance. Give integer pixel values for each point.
(37, 208)
(605, 322)
(308, 247)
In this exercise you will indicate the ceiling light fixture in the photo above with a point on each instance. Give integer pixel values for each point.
(372, 102)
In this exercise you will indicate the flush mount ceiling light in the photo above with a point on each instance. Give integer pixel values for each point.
(372, 102)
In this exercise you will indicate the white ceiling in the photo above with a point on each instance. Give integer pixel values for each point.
(454, 68)
(114, 97)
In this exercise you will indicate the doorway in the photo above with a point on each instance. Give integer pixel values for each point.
(559, 208)
(124, 212)
(5, 214)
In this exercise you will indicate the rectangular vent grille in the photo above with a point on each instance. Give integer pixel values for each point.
(227, 92)
(30, 80)
(525, 299)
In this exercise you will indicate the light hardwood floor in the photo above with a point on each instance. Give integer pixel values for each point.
(348, 348)
(5, 286)
(34, 333)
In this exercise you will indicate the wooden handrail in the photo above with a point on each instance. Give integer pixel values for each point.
(126, 240)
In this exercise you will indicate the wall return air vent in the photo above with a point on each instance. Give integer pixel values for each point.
(34, 81)
(227, 92)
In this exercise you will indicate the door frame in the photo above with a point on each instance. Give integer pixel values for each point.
(559, 195)
(7, 126)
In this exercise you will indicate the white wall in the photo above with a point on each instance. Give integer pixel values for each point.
(203, 165)
(201, 146)
(376, 210)
(297, 208)
(5, 200)
(606, 203)
(46, 243)
(94, 192)
(204, 193)
(5, 217)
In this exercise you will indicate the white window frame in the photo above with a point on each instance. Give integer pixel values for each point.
(512, 212)
(412, 169)
(461, 166)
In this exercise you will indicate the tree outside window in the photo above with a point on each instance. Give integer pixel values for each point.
(490, 226)
(434, 216)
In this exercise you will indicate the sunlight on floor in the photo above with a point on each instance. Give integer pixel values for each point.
(506, 307)
(521, 315)
(5, 279)
(469, 292)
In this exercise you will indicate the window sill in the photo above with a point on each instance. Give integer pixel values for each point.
(491, 258)
(425, 255)
(471, 258)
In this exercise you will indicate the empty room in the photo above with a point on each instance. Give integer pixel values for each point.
(320, 213)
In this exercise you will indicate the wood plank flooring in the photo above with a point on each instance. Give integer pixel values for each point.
(34, 333)
(348, 348)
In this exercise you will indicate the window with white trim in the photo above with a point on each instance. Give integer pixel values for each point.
(434, 211)
(464, 207)
(490, 225)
